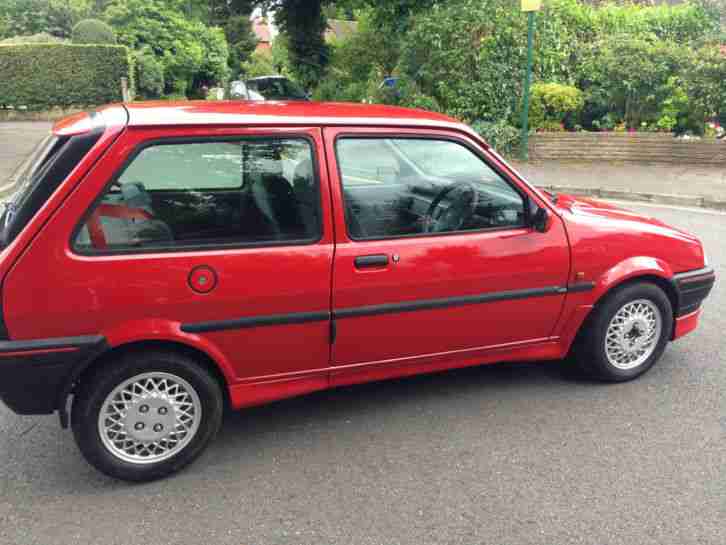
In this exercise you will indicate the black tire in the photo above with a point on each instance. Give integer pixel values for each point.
(589, 350)
(95, 388)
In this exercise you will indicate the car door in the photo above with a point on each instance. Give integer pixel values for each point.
(435, 257)
(218, 237)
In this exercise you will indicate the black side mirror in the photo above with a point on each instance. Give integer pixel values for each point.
(538, 217)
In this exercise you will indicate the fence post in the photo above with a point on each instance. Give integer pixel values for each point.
(125, 95)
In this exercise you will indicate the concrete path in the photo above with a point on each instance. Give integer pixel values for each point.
(17, 140)
(708, 182)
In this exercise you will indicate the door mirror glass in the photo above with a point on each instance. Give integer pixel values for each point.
(540, 218)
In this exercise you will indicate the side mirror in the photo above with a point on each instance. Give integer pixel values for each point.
(539, 217)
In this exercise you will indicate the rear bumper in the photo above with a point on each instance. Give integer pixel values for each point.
(36, 376)
(692, 288)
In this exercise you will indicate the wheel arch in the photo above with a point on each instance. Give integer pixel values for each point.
(665, 284)
(111, 354)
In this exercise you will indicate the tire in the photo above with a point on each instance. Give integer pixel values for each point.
(168, 408)
(641, 308)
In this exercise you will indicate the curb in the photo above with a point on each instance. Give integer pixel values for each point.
(692, 201)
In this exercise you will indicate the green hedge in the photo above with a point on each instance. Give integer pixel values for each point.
(41, 76)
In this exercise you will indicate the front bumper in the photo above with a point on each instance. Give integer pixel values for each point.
(692, 288)
(36, 376)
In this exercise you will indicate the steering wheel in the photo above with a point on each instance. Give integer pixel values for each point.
(464, 198)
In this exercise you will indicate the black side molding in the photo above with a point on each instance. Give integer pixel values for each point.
(373, 310)
(692, 288)
(581, 287)
(256, 321)
(430, 304)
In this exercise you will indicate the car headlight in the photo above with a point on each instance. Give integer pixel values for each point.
(705, 256)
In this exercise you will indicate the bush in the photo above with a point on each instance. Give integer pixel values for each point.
(501, 136)
(555, 105)
(41, 76)
(259, 64)
(149, 75)
(628, 75)
(93, 31)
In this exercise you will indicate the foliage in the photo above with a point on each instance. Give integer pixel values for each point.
(92, 31)
(704, 81)
(303, 24)
(553, 104)
(55, 17)
(241, 39)
(356, 64)
(41, 76)
(189, 51)
(149, 74)
(499, 135)
(40, 38)
(214, 68)
(630, 75)
(259, 64)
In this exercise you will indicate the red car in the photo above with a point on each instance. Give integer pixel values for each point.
(162, 261)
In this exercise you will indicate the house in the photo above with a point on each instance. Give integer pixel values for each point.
(263, 32)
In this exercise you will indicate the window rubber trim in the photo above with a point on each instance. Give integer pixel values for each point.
(173, 140)
(364, 135)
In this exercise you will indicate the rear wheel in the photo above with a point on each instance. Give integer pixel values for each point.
(146, 416)
(627, 333)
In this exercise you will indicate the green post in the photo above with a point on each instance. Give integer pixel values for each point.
(527, 83)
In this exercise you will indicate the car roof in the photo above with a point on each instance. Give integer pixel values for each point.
(167, 113)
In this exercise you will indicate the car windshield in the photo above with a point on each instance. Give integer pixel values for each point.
(277, 89)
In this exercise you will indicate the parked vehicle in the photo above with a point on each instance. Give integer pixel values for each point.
(238, 91)
(276, 88)
(160, 262)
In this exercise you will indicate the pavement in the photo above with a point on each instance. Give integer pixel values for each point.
(686, 185)
(17, 141)
(513, 454)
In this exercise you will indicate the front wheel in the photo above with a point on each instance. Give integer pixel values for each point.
(627, 333)
(146, 416)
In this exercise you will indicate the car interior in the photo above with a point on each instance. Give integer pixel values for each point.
(265, 190)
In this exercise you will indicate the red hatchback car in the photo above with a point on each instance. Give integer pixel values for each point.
(162, 261)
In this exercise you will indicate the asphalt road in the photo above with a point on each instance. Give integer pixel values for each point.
(504, 454)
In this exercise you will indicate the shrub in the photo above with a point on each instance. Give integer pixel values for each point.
(93, 31)
(501, 136)
(629, 75)
(259, 64)
(41, 76)
(554, 105)
(149, 74)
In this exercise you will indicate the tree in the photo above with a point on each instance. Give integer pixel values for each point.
(56, 17)
(241, 39)
(188, 50)
(303, 24)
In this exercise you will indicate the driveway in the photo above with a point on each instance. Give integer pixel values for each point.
(502, 454)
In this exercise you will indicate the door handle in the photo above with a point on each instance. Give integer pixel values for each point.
(368, 261)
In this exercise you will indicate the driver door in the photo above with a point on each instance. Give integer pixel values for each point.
(412, 283)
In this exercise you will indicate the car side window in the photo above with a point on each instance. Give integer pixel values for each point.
(174, 195)
(413, 186)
